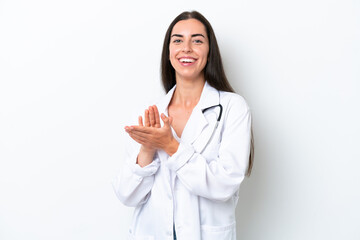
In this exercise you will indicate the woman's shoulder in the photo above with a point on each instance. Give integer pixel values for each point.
(233, 100)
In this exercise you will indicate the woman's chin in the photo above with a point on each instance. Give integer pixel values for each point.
(189, 76)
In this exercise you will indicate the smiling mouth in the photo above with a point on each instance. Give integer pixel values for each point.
(187, 60)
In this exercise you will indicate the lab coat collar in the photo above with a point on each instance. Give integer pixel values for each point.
(197, 121)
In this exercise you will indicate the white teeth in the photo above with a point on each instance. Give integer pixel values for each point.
(187, 60)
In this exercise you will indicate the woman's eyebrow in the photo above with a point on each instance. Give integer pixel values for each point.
(176, 35)
(193, 35)
(198, 35)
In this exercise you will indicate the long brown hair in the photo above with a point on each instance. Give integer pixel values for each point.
(213, 71)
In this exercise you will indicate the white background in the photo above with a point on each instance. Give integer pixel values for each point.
(73, 71)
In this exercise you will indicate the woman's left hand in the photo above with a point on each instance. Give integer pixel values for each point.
(158, 138)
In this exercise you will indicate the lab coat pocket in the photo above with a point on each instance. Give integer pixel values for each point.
(226, 232)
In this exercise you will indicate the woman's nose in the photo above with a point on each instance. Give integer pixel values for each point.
(187, 46)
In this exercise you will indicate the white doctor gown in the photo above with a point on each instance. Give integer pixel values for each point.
(196, 189)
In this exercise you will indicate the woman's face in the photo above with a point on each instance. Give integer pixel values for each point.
(189, 48)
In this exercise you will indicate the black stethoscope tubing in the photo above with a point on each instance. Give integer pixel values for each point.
(221, 109)
(217, 121)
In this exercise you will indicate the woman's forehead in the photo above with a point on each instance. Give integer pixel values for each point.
(189, 26)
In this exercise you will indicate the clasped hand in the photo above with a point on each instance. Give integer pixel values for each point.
(151, 135)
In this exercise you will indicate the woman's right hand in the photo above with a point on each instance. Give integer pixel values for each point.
(151, 120)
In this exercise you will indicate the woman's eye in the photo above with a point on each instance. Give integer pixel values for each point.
(177, 41)
(198, 41)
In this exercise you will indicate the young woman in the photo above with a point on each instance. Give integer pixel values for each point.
(183, 175)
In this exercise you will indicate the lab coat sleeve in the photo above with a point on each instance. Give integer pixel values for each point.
(133, 185)
(218, 177)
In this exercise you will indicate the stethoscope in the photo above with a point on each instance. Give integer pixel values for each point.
(217, 121)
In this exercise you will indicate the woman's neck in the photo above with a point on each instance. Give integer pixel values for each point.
(187, 93)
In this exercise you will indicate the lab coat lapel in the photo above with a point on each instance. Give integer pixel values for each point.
(164, 102)
(195, 125)
(200, 125)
